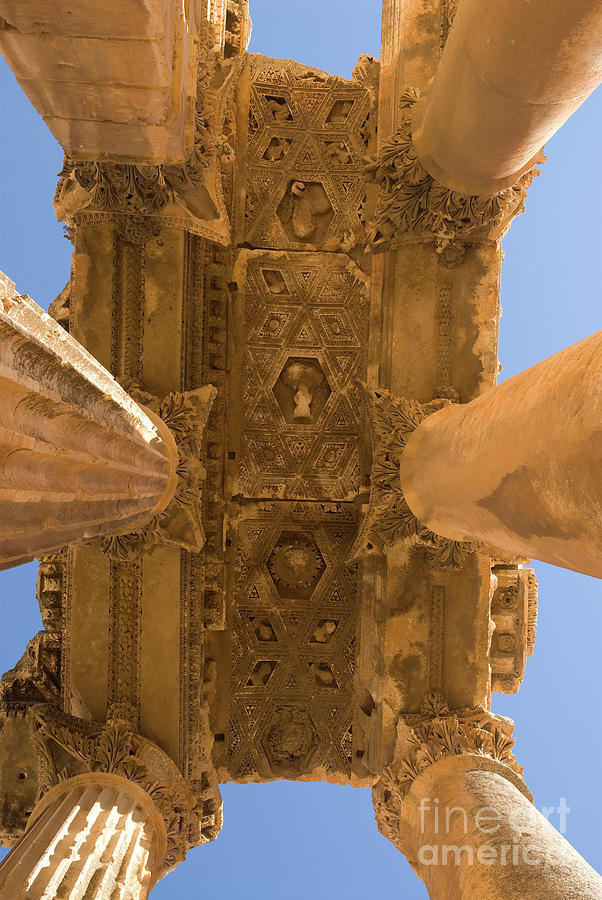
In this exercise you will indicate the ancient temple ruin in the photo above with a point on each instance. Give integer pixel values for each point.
(283, 513)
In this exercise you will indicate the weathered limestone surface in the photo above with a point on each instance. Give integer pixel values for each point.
(516, 467)
(454, 802)
(121, 83)
(510, 75)
(484, 838)
(302, 641)
(79, 458)
(95, 836)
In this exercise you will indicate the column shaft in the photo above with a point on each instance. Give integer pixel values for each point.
(518, 467)
(469, 832)
(96, 841)
(511, 74)
(78, 458)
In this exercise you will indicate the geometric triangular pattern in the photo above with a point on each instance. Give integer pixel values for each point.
(296, 615)
(308, 138)
(302, 359)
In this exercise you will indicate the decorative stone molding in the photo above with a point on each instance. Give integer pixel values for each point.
(188, 196)
(514, 614)
(179, 525)
(411, 199)
(448, 14)
(434, 734)
(67, 747)
(389, 519)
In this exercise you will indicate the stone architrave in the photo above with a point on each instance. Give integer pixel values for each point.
(79, 458)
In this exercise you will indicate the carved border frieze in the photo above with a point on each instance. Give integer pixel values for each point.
(514, 615)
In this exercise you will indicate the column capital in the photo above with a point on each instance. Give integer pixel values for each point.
(389, 519)
(435, 742)
(183, 415)
(77, 752)
(414, 200)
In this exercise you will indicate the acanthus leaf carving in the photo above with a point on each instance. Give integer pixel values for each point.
(435, 733)
(188, 195)
(179, 525)
(389, 518)
(411, 199)
(66, 747)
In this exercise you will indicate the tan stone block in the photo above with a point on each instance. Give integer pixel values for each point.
(118, 18)
(49, 57)
(99, 103)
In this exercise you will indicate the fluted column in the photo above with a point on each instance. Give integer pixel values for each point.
(510, 75)
(78, 457)
(518, 467)
(455, 804)
(95, 836)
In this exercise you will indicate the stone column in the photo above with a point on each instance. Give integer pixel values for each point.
(455, 804)
(518, 467)
(78, 457)
(510, 75)
(94, 836)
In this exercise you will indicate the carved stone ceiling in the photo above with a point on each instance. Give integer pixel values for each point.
(301, 345)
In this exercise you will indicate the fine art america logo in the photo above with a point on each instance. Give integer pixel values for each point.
(453, 836)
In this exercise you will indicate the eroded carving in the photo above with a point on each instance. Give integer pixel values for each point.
(296, 565)
(306, 318)
(438, 732)
(291, 741)
(514, 614)
(179, 525)
(66, 747)
(293, 643)
(411, 199)
(389, 519)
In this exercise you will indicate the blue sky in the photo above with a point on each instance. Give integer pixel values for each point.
(291, 841)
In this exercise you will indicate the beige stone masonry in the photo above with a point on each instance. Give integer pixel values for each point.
(78, 458)
(121, 81)
(518, 467)
(510, 75)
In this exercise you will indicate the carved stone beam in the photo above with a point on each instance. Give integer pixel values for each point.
(113, 814)
(518, 467)
(78, 457)
(455, 804)
(514, 617)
